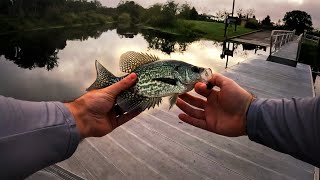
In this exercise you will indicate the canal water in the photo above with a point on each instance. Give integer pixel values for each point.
(59, 64)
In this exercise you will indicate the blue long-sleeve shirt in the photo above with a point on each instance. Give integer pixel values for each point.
(34, 135)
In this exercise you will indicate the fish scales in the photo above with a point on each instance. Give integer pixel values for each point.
(156, 79)
(150, 87)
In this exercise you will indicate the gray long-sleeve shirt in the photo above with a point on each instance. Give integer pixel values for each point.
(291, 126)
(34, 135)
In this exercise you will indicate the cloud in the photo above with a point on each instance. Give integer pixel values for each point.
(275, 8)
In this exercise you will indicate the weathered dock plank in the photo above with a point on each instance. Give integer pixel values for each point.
(288, 51)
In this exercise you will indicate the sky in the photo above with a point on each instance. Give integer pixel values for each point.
(275, 8)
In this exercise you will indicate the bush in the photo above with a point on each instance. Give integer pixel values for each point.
(252, 24)
(124, 18)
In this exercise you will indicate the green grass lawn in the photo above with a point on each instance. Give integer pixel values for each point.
(214, 30)
(205, 30)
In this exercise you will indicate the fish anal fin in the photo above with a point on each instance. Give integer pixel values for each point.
(129, 102)
(173, 100)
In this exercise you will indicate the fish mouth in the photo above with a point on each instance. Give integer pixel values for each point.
(206, 75)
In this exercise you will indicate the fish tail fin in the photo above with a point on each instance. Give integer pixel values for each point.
(104, 78)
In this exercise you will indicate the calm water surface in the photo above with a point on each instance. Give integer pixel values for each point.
(59, 65)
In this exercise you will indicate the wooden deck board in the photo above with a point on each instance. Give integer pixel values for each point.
(88, 163)
(288, 51)
(124, 159)
(156, 159)
(258, 159)
(179, 152)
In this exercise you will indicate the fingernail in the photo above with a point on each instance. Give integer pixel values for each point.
(132, 76)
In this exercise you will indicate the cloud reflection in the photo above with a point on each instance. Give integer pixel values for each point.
(76, 70)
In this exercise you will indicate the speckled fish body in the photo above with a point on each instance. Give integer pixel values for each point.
(156, 79)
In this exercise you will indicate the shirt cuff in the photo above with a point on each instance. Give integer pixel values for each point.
(74, 134)
(253, 117)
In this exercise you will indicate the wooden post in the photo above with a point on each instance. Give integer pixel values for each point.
(270, 44)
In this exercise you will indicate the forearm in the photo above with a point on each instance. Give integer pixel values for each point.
(291, 126)
(34, 135)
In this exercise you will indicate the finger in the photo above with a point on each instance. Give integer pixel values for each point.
(192, 100)
(218, 80)
(127, 117)
(193, 121)
(201, 89)
(199, 114)
(122, 85)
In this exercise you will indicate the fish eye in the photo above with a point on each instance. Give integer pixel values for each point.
(195, 69)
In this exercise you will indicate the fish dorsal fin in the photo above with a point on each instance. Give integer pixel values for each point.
(130, 60)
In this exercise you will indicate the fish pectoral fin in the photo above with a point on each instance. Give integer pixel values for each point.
(173, 100)
(130, 60)
(167, 81)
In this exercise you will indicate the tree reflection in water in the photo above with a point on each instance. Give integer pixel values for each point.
(34, 49)
(165, 42)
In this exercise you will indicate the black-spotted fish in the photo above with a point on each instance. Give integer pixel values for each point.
(156, 79)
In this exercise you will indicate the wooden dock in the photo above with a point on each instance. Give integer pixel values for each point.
(261, 38)
(288, 54)
(157, 145)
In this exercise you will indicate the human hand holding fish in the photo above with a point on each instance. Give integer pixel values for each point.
(112, 101)
(94, 111)
(222, 112)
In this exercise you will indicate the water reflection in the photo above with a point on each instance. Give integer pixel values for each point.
(73, 53)
(40, 48)
(229, 49)
(165, 42)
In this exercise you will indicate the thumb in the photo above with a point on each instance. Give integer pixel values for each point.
(122, 85)
(201, 89)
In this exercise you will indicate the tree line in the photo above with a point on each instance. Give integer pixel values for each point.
(79, 11)
(29, 12)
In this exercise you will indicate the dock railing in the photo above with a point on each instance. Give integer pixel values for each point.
(279, 38)
(311, 37)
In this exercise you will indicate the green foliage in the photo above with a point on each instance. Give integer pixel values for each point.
(266, 22)
(194, 14)
(160, 15)
(124, 18)
(309, 54)
(34, 14)
(134, 10)
(298, 20)
(252, 24)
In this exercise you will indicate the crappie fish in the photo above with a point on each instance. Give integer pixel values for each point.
(156, 79)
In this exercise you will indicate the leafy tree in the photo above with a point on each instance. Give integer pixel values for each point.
(170, 10)
(194, 14)
(185, 11)
(298, 20)
(266, 21)
(130, 7)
